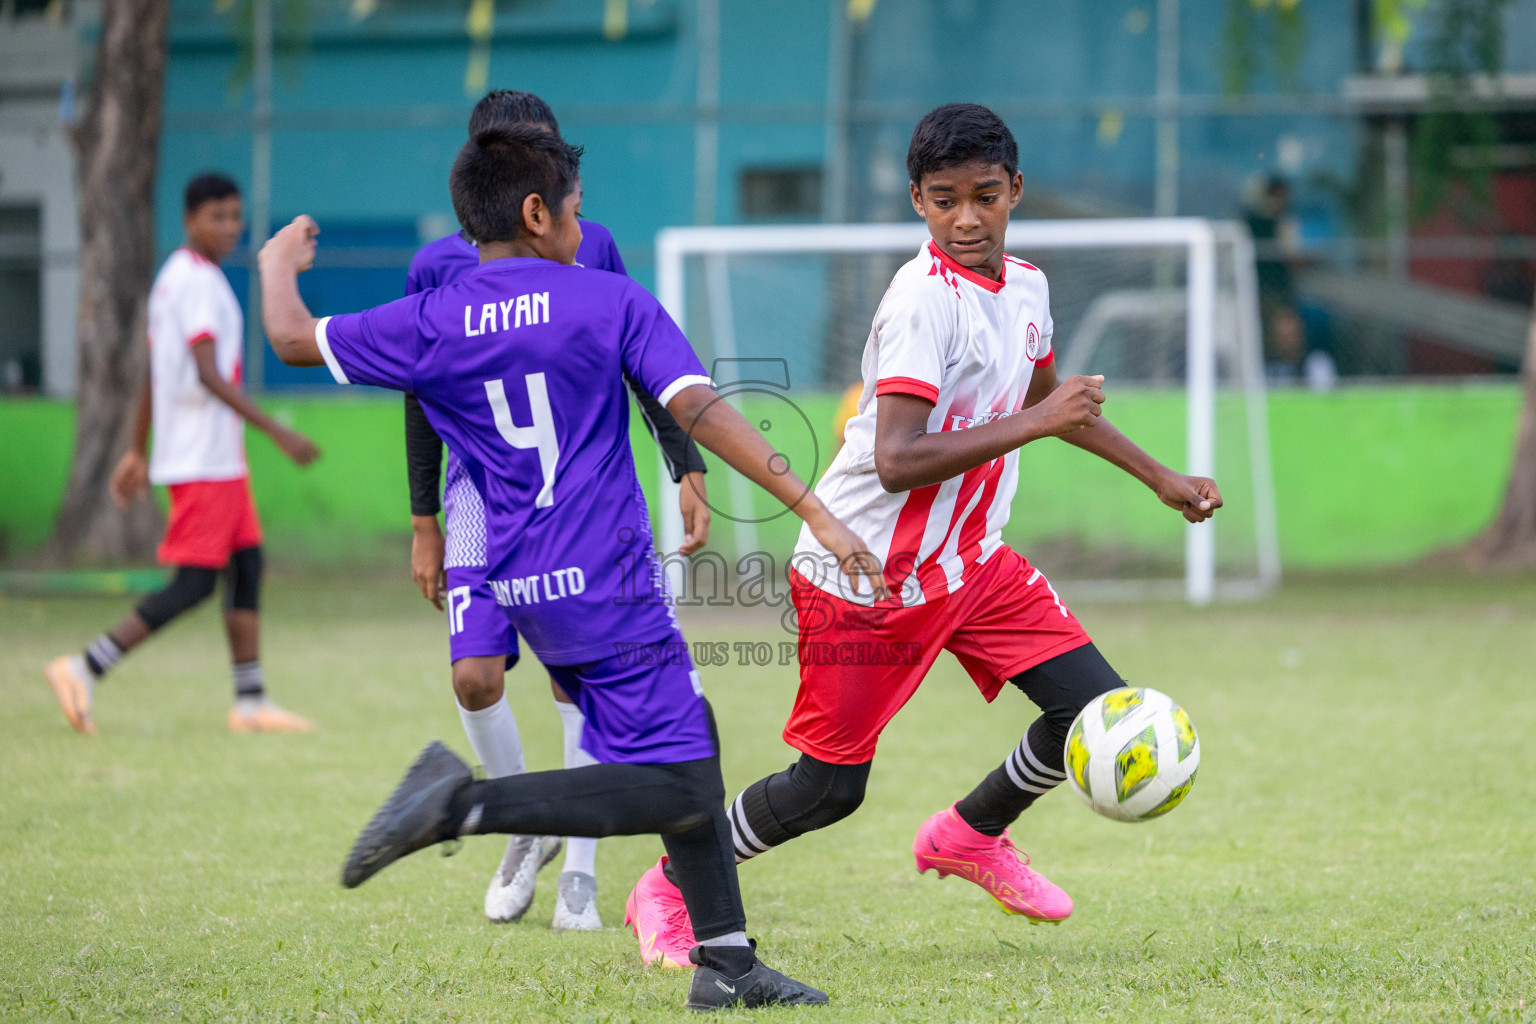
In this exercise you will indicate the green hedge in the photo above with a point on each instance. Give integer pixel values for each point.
(1364, 476)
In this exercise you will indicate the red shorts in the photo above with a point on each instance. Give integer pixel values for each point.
(860, 665)
(210, 520)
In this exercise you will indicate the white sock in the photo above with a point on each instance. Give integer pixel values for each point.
(580, 851)
(494, 738)
(83, 669)
(580, 855)
(729, 939)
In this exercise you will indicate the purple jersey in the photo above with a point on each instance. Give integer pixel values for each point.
(450, 257)
(443, 262)
(519, 367)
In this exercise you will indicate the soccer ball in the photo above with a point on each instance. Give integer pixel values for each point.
(1132, 754)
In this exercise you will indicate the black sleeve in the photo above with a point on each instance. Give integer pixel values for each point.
(682, 455)
(423, 460)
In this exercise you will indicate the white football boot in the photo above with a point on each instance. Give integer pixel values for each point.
(511, 890)
(576, 903)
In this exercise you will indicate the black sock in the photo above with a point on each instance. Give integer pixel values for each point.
(248, 681)
(706, 875)
(1061, 687)
(101, 654)
(597, 800)
(682, 802)
(1032, 770)
(731, 961)
(460, 806)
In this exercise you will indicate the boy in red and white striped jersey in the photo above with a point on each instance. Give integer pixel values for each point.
(198, 409)
(958, 375)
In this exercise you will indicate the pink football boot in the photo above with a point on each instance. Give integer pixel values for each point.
(946, 843)
(656, 912)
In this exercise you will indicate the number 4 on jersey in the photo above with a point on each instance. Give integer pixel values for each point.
(540, 435)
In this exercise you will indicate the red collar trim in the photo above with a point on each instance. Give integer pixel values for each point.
(948, 263)
(197, 256)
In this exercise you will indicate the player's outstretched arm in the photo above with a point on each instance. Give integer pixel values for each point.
(289, 324)
(1195, 497)
(715, 425)
(908, 456)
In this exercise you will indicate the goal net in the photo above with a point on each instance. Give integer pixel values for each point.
(1165, 308)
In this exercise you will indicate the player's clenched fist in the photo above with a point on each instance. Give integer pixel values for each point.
(1196, 497)
(294, 244)
(1074, 404)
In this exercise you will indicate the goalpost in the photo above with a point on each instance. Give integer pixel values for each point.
(1158, 304)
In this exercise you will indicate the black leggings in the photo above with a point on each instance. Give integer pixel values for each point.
(812, 794)
(808, 795)
(684, 803)
(192, 585)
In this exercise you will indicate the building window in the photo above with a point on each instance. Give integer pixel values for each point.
(25, 8)
(781, 193)
(21, 322)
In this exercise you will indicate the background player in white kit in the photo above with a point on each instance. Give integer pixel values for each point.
(193, 396)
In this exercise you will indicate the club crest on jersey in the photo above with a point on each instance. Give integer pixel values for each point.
(1031, 343)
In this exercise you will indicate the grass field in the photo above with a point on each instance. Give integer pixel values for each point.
(1360, 844)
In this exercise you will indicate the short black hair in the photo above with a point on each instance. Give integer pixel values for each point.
(207, 187)
(510, 106)
(502, 165)
(960, 133)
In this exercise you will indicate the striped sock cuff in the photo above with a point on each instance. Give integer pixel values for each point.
(747, 844)
(101, 654)
(1031, 774)
(754, 829)
(248, 681)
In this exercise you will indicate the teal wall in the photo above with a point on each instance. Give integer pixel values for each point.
(368, 114)
(1365, 477)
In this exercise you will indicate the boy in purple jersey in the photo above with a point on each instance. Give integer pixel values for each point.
(482, 643)
(517, 365)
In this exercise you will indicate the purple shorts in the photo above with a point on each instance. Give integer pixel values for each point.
(477, 627)
(644, 705)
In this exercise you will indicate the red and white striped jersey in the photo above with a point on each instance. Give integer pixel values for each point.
(197, 436)
(970, 346)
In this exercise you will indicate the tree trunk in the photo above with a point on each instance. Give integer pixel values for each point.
(116, 146)
(1510, 541)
